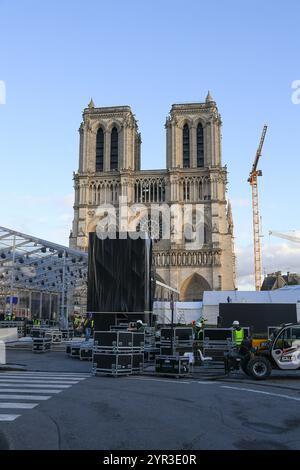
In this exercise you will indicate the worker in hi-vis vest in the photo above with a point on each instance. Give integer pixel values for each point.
(238, 333)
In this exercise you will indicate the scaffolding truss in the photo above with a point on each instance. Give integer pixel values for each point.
(30, 263)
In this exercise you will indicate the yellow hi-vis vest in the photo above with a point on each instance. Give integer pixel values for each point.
(238, 336)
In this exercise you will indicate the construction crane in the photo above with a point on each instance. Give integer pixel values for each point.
(291, 238)
(255, 208)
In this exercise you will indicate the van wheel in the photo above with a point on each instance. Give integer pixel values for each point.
(259, 368)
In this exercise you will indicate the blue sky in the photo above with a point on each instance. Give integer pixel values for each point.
(55, 55)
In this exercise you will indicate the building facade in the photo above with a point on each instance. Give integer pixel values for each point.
(110, 167)
(278, 280)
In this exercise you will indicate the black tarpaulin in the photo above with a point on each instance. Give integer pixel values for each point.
(257, 316)
(119, 274)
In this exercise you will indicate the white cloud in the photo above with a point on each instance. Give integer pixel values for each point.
(284, 256)
(47, 217)
(66, 217)
(68, 200)
(240, 202)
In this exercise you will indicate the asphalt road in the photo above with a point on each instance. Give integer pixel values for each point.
(84, 412)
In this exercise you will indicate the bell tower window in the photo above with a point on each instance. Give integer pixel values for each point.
(186, 146)
(99, 149)
(200, 146)
(114, 149)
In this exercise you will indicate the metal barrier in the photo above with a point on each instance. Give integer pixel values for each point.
(217, 342)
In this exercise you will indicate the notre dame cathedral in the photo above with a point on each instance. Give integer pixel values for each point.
(110, 167)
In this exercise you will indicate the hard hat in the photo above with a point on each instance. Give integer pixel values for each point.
(140, 322)
(236, 323)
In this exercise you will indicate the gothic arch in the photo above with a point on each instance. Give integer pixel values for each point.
(99, 124)
(113, 124)
(185, 121)
(200, 120)
(193, 287)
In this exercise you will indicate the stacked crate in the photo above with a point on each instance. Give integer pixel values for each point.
(86, 350)
(174, 343)
(166, 347)
(172, 365)
(67, 334)
(151, 349)
(118, 352)
(41, 341)
(182, 341)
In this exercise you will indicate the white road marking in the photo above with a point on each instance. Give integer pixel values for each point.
(48, 374)
(33, 385)
(23, 397)
(205, 383)
(38, 381)
(44, 377)
(18, 389)
(29, 390)
(261, 392)
(21, 406)
(8, 417)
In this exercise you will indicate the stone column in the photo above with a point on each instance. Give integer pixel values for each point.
(120, 147)
(207, 145)
(169, 162)
(213, 146)
(218, 142)
(81, 141)
(173, 137)
(132, 148)
(78, 192)
(90, 149)
(84, 149)
(125, 147)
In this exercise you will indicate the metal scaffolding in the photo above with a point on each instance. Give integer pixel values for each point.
(39, 267)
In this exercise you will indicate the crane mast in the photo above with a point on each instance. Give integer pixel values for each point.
(253, 180)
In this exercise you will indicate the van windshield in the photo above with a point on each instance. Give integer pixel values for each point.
(274, 334)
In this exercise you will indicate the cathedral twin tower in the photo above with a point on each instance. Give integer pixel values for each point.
(110, 167)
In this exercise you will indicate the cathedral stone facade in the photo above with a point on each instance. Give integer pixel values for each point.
(110, 167)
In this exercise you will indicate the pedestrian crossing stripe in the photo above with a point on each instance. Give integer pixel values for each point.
(30, 390)
(38, 381)
(37, 377)
(9, 396)
(16, 405)
(8, 417)
(33, 385)
(24, 390)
